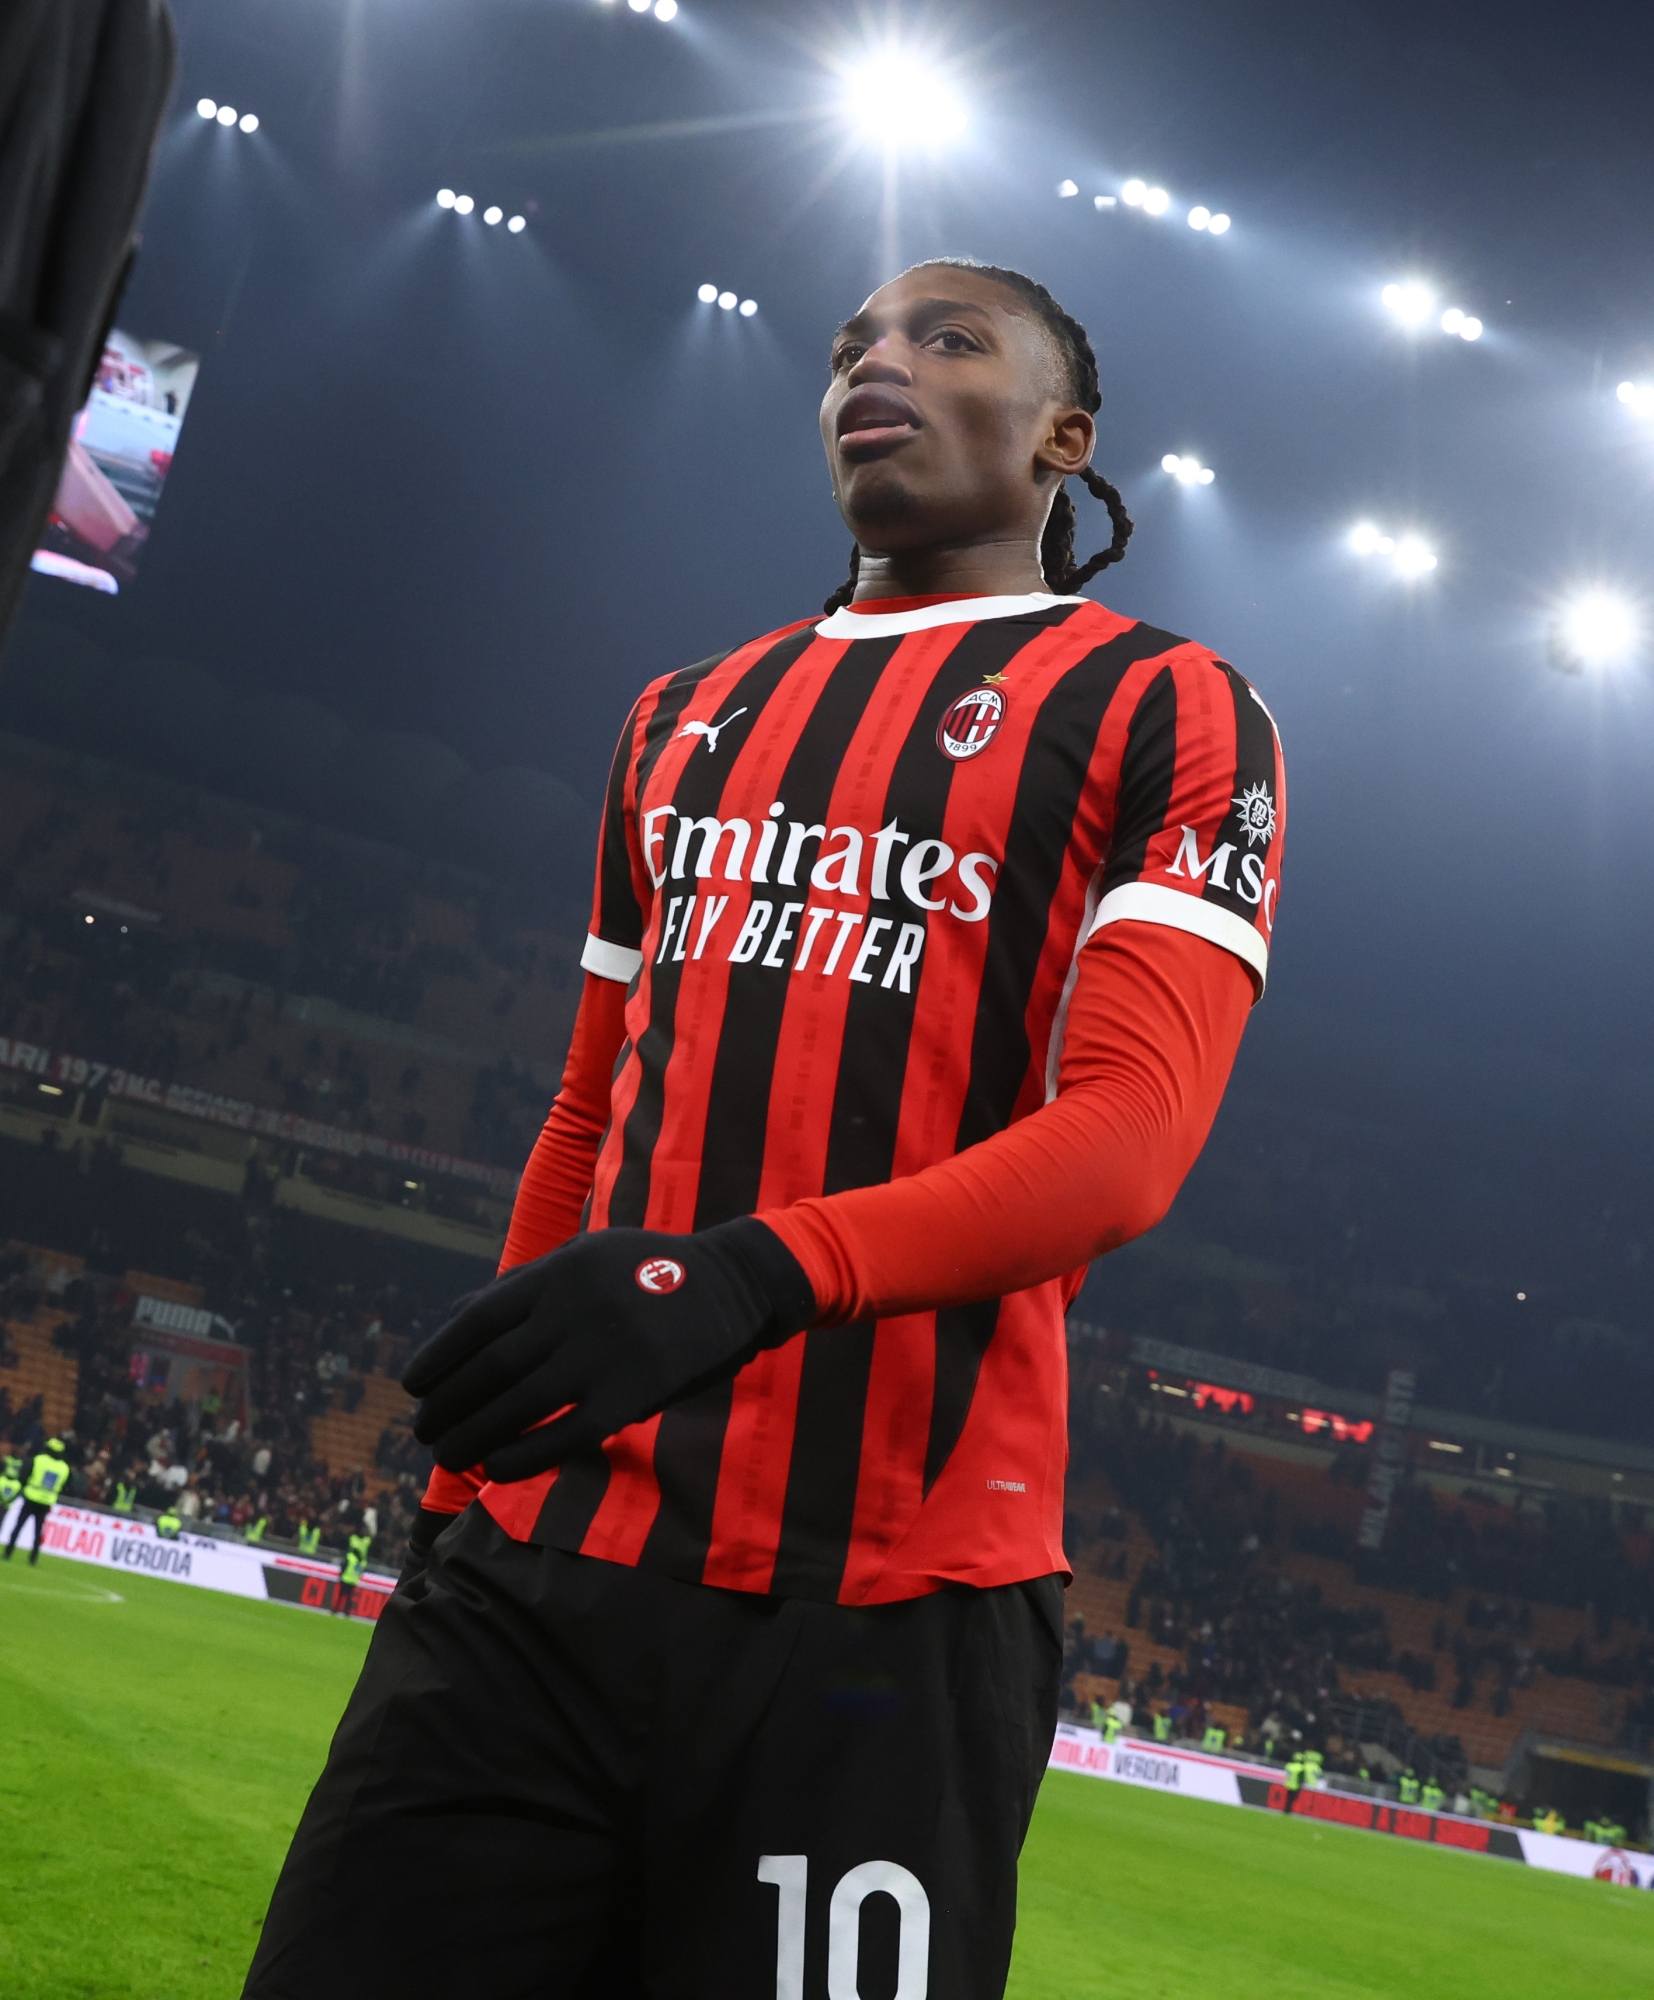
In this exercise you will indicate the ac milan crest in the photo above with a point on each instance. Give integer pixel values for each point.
(971, 724)
(660, 1274)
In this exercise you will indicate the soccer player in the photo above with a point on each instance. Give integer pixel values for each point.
(923, 940)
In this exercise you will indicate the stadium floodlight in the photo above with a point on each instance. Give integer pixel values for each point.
(748, 308)
(1413, 557)
(898, 100)
(1594, 628)
(493, 215)
(1218, 225)
(1156, 202)
(1187, 471)
(1411, 303)
(1067, 188)
(517, 224)
(728, 301)
(248, 121)
(1133, 192)
(1199, 218)
(463, 204)
(445, 197)
(638, 6)
(1472, 328)
(1105, 201)
(1364, 538)
(708, 295)
(1638, 397)
(227, 114)
(206, 107)
(666, 10)
(1452, 320)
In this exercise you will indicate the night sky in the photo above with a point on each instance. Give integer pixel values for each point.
(483, 486)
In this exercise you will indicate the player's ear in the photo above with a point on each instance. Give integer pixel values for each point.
(1070, 438)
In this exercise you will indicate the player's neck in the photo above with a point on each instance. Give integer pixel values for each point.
(981, 569)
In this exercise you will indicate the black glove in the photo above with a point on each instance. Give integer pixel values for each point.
(607, 1330)
(428, 1524)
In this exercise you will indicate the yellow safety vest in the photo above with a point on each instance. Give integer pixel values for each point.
(47, 1478)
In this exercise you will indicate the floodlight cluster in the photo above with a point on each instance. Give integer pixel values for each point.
(663, 10)
(711, 295)
(1156, 201)
(1187, 471)
(1410, 555)
(226, 115)
(463, 204)
(1413, 305)
(1595, 628)
(1638, 397)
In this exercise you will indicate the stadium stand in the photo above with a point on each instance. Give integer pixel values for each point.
(1232, 1576)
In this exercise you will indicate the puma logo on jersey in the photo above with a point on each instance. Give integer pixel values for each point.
(710, 730)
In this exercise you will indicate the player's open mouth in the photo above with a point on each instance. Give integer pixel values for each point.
(872, 420)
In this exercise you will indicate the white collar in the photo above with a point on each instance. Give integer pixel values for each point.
(848, 624)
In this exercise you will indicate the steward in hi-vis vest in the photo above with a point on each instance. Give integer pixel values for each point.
(126, 1495)
(47, 1476)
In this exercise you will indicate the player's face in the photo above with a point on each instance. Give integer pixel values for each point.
(946, 420)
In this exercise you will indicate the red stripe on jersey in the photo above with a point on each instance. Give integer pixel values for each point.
(633, 1492)
(981, 802)
(752, 1484)
(758, 768)
(626, 1513)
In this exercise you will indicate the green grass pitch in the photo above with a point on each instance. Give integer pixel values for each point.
(155, 1752)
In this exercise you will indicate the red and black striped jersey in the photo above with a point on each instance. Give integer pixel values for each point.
(847, 871)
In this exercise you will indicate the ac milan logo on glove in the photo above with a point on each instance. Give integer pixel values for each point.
(660, 1274)
(971, 724)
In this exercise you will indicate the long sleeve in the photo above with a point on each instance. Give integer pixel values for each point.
(552, 1193)
(1153, 1024)
(558, 1177)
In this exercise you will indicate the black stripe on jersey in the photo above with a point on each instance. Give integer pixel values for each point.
(822, 1472)
(698, 793)
(738, 1105)
(962, 1336)
(1053, 775)
(878, 1026)
(662, 725)
(1148, 770)
(1254, 765)
(738, 1100)
(570, 1507)
(689, 1446)
(618, 910)
(1049, 785)
(861, 1147)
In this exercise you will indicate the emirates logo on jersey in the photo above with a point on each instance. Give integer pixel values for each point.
(971, 724)
(660, 1275)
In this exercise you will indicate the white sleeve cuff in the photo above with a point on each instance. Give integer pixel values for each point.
(1148, 903)
(618, 962)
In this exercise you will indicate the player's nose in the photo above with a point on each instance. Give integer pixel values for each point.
(887, 359)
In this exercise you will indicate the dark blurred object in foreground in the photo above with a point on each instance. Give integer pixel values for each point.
(83, 84)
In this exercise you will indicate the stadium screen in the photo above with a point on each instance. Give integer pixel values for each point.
(120, 453)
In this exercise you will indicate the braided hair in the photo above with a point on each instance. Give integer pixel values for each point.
(1056, 549)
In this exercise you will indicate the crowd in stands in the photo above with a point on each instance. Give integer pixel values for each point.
(1251, 1636)
(309, 1345)
(189, 939)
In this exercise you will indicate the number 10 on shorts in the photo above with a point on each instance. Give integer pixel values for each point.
(790, 1873)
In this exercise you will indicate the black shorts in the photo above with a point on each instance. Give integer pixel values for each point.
(564, 1778)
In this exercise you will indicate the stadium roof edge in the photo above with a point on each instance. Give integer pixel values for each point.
(1230, 1373)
